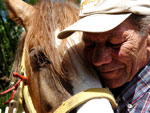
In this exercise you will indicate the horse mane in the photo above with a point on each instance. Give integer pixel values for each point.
(18, 57)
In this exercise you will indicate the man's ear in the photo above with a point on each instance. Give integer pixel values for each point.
(19, 10)
(148, 39)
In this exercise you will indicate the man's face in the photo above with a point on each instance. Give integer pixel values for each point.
(117, 55)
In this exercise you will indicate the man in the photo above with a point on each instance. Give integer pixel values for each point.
(116, 34)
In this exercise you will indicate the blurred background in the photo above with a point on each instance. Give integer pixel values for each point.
(9, 35)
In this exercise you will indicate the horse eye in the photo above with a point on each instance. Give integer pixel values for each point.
(42, 59)
(39, 58)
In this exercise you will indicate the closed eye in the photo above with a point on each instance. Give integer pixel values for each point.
(115, 46)
(90, 45)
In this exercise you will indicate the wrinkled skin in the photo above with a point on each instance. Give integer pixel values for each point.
(118, 54)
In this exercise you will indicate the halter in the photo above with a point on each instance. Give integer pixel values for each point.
(24, 92)
(85, 96)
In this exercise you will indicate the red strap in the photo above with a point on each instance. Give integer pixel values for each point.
(21, 78)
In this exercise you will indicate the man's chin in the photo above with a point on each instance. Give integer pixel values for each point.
(111, 84)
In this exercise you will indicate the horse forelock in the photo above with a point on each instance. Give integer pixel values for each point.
(49, 19)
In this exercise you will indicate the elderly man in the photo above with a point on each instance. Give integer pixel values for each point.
(116, 34)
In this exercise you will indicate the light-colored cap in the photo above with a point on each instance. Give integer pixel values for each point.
(104, 15)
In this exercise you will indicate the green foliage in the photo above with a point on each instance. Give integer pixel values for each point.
(31, 1)
(4, 98)
(9, 35)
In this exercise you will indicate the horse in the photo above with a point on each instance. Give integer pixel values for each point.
(56, 69)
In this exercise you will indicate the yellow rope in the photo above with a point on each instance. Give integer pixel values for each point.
(25, 91)
(28, 100)
(84, 96)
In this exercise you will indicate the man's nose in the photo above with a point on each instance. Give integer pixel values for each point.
(101, 55)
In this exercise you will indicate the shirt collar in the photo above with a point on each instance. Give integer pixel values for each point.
(135, 89)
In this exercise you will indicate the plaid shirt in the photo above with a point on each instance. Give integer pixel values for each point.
(135, 95)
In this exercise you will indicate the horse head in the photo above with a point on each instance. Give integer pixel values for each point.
(55, 68)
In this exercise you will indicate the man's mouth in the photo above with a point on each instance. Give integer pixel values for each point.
(108, 70)
(110, 73)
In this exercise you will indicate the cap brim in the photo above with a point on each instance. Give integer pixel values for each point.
(95, 23)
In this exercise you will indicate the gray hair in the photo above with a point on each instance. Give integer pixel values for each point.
(141, 22)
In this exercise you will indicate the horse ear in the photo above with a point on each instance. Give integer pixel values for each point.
(19, 10)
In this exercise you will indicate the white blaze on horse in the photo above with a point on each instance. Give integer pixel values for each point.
(55, 68)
